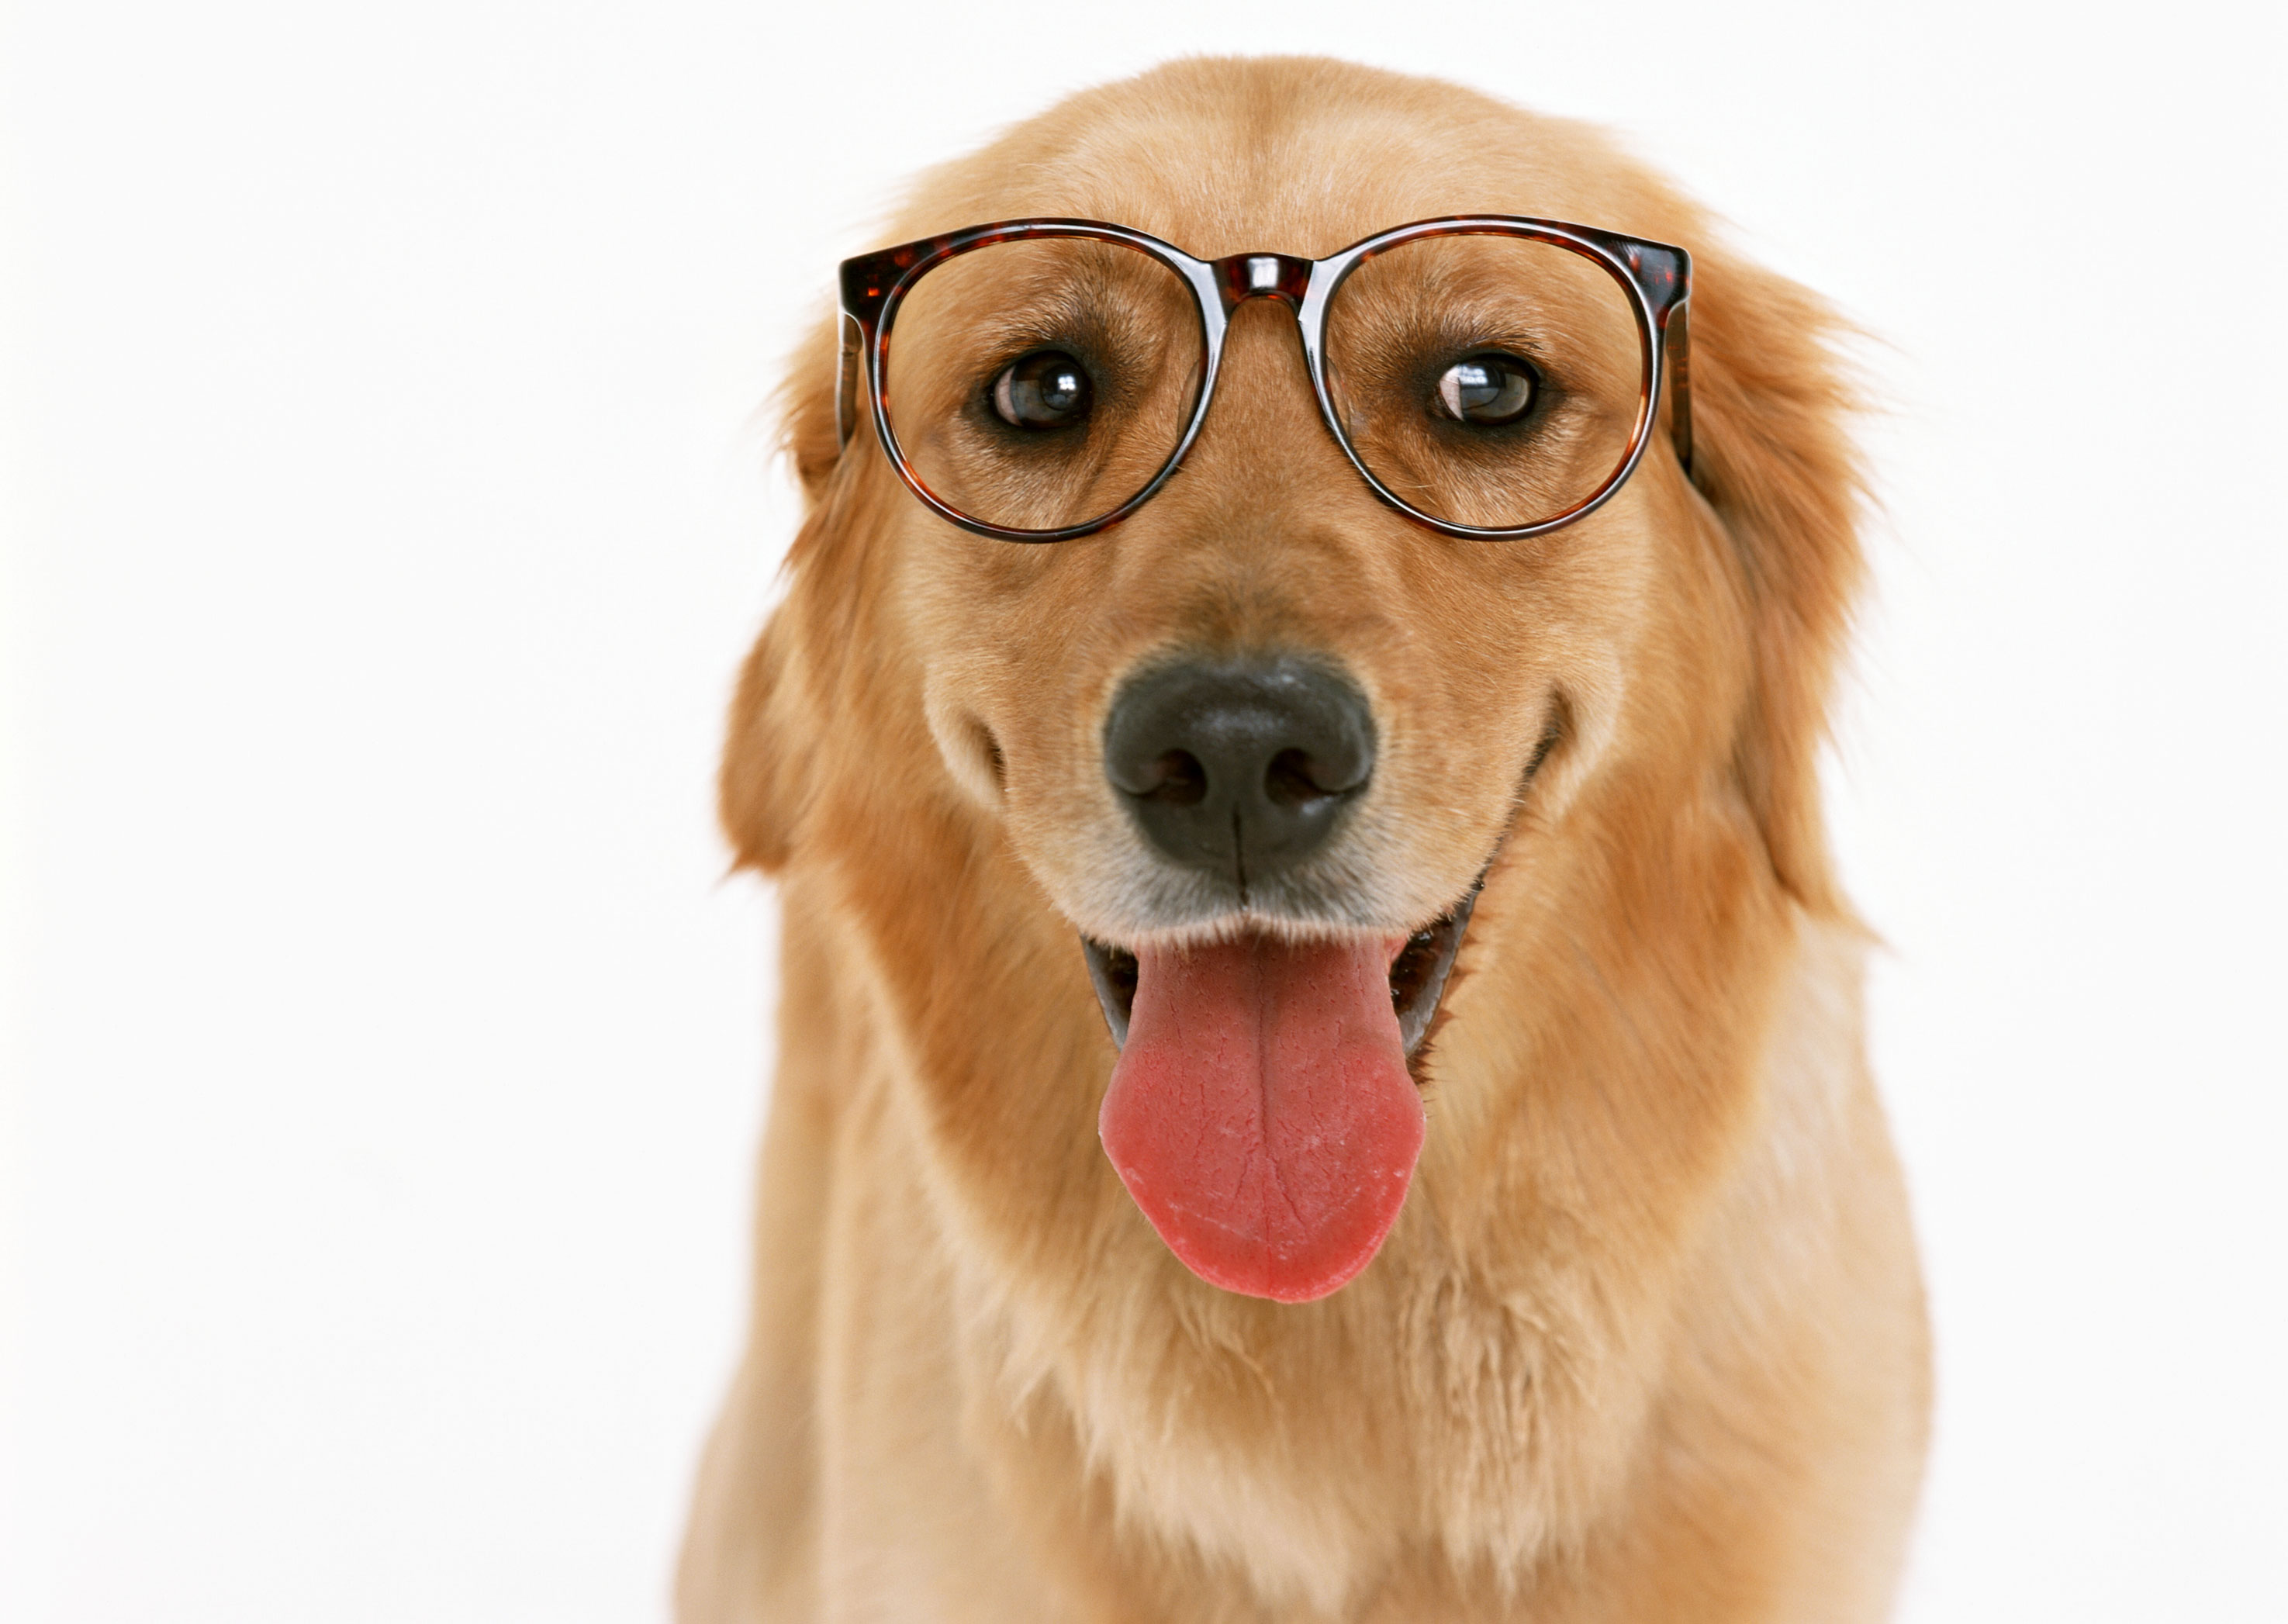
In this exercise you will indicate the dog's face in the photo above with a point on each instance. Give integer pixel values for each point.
(1417, 678)
(1447, 669)
(1260, 744)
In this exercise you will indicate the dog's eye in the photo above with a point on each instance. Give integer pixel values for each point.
(1489, 390)
(1045, 390)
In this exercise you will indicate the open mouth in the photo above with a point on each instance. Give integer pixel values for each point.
(1264, 1114)
(1418, 976)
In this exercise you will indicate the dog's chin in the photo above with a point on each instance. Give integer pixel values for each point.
(1417, 972)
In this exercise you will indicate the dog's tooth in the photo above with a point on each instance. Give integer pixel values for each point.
(1112, 974)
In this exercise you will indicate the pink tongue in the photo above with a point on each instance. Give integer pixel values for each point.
(1261, 1114)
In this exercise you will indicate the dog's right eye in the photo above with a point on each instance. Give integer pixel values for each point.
(1488, 389)
(1045, 390)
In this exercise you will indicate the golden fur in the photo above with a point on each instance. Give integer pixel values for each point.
(1648, 1340)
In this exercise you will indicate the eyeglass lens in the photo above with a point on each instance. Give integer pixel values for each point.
(1035, 385)
(1491, 381)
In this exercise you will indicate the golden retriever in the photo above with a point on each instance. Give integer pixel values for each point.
(1586, 1291)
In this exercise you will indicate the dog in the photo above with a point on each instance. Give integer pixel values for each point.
(1322, 1073)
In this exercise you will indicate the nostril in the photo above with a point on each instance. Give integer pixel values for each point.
(1291, 781)
(1180, 781)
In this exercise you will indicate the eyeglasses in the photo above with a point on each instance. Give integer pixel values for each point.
(1490, 377)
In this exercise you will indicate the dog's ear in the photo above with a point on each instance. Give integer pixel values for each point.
(811, 431)
(765, 785)
(764, 789)
(1772, 402)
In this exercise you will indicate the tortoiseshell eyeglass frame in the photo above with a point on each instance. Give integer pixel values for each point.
(1656, 278)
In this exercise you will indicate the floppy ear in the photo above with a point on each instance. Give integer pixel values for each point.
(764, 789)
(811, 435)
(1771, 400)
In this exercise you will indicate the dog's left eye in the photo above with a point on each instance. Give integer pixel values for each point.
(1488, 389)
(1045, 390)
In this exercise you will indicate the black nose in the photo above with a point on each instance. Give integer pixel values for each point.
(1240, 767)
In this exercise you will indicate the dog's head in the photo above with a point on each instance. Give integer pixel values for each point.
(1258, 745)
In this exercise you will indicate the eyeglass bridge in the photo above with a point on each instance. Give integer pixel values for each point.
(1241, 277)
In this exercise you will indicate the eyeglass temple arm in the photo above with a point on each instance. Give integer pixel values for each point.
(1663, 276)
(849, 380)
(866, 281)
(1676, 336)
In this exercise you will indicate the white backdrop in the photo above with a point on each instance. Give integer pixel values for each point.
(384, 514)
